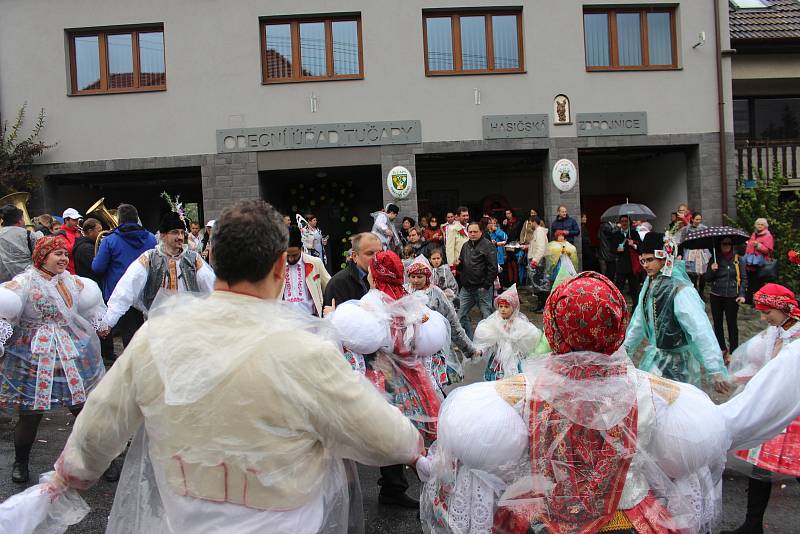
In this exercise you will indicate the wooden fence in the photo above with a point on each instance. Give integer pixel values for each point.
(754, 158)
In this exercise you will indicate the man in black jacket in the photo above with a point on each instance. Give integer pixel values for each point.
(477, 265)
(627, 243)
(606, 252)
(83, 251)
(349, 284)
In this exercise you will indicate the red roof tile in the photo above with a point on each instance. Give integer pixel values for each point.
(781, 20)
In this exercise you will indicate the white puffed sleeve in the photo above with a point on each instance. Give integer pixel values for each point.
(205, 278)
(690, 431)
(481, 429)
(90, 302)
(10, 310)
(750, 357)
(433, 335)
(768, 403)
(127, 291)
(10, 305)
(359, 330)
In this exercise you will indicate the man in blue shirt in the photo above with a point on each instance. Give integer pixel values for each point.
(117, 251)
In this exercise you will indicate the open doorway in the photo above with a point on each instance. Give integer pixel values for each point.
(141, 188)
(485, 182)
(653, 177)
(342, 199)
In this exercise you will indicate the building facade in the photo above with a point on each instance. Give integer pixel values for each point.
(766, 87)
(311, 109)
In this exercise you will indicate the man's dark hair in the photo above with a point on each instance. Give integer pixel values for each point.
(695, 214)
(10, 214)
(462, 209)
(310, 216)
(475, 223)
(90, 223)
(127, 214)
(624, 217)
(410, 220)
(392, 208)
(248, 238)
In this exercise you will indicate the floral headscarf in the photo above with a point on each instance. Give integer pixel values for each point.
(421, 265)
(387, 274)
(45, 246)
(777, 297)
(586, 313)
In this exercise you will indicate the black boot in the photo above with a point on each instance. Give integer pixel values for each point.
(19, 473)
(758, 492)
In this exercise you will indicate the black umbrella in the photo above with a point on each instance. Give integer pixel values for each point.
(636, 212)
(707, 238)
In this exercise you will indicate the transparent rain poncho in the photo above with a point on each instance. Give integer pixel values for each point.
(569, 444)
(506, 343)
(671, 317)
(246, 415)
(778, 458)
(399, 336)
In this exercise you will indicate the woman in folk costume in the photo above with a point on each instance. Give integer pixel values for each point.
(395, 332)
(781, 455)
(444, 366)
(48, 320)
(507, 336)
(583, 442)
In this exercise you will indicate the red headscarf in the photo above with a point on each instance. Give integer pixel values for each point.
(777, 297)
(421, 266)
(387, 273)
(586, 313)
(46, 245)
(565, 233)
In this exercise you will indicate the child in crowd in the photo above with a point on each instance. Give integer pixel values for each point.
(408, 257)
(444, 366)
(507, 336)
(443, 276)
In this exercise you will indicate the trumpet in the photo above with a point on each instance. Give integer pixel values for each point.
(107, 216)
(20, 201)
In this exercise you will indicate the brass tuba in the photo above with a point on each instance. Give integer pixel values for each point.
(106, 216)
(19, 200)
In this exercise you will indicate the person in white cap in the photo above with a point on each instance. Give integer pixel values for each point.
(72, 231)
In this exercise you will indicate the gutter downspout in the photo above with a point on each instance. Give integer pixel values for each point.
(723, 150)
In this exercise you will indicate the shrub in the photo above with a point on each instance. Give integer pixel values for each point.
(782, 211)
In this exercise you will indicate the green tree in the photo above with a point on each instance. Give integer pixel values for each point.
(782, 211)
(18, 153)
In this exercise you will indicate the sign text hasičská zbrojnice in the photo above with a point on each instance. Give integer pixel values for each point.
(319, 136)
(624, 123)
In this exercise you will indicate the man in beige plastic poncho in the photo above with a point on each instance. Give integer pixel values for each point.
(244, 422)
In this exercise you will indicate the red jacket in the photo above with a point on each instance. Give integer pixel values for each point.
(71, 234)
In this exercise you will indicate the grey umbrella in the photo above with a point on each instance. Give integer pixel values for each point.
(636, 212)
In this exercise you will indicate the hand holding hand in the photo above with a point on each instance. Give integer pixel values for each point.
(720, 384)
(714, 266)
